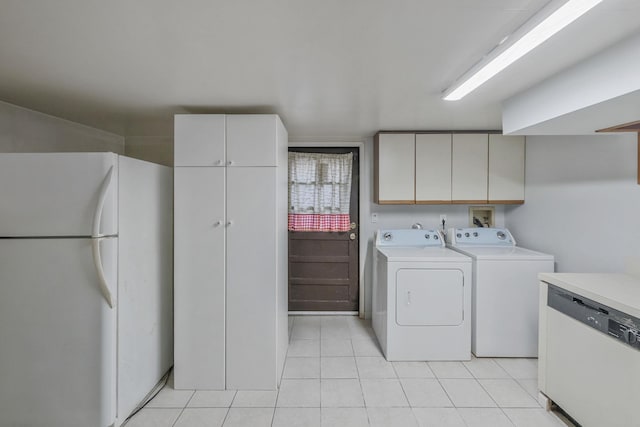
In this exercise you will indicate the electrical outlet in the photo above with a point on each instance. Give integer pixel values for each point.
(374, 218)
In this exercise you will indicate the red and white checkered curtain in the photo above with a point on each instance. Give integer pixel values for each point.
(319, 191)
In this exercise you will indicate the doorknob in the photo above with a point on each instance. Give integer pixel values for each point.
(352, 236)
(353, 225)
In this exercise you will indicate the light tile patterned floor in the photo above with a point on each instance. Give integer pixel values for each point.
(336, 376)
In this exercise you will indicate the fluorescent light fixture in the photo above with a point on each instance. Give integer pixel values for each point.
(553, 23)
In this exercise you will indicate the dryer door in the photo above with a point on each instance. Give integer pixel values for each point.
(429, 297)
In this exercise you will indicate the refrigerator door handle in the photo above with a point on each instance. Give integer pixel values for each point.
(97, 260)
(102, 195)
(96, 237)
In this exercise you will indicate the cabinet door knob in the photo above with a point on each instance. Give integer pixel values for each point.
(217, 162)
(217, 223)
(230, 162)
(229, 223)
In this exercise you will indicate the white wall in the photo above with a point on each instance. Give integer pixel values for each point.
(554, 104)
(155, 149)
(582, 201)
(23, 130)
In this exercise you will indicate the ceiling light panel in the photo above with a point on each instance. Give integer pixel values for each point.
(534, 32)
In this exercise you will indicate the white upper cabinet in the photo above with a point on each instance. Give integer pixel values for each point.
(251, 140)
(506, 169)
(199, 140)
(470, 164)
(394, 159)
(433, 168)
(227, 140)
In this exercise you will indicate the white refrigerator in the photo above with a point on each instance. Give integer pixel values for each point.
(86, 288)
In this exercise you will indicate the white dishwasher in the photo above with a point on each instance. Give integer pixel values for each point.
(589, 357)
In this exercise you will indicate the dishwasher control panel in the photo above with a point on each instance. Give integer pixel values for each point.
(629, 332)
(616, 324)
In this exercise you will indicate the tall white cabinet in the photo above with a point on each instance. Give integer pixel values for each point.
(230, 250)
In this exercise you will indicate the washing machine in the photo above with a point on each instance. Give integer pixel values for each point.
(421, 297)
(504, 312)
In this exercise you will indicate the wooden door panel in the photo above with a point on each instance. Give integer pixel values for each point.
(329, 270)
(323, 266)
(318, 248)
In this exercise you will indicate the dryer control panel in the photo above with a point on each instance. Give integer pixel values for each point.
(409, 238)
(480, 237)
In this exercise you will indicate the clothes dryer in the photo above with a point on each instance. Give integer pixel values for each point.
(504, 313)
(421, 297)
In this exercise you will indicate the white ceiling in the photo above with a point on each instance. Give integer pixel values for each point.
(333, 69)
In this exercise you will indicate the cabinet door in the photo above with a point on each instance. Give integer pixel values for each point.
(199, 140)
(433, 168)
(251, 278)
(506, 169)
(199, 274)
(251, 140)
(395, 168)
(469, 172)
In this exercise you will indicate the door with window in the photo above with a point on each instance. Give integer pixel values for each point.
(323, 228)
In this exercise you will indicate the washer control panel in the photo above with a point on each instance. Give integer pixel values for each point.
(480, 236)
(409, 238)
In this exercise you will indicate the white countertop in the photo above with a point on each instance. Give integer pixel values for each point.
(619, 291)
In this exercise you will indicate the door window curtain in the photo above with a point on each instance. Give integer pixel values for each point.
(319, 191)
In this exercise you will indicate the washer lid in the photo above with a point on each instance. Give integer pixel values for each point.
(504, 253)
(417, 254)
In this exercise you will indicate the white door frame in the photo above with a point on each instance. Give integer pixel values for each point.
(361, 255)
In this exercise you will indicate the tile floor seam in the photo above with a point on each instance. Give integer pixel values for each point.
(507, 417)
(183, 408)
(487, 392)
(404, 391)
(446, 392)
(364, 401)
(273, 415)
(516, 407)
(235, 394)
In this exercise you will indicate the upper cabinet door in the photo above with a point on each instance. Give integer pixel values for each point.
(433, 168)
(506, 169)
(252, 140)
(470, 168)
(199, 140)
(395, 166)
